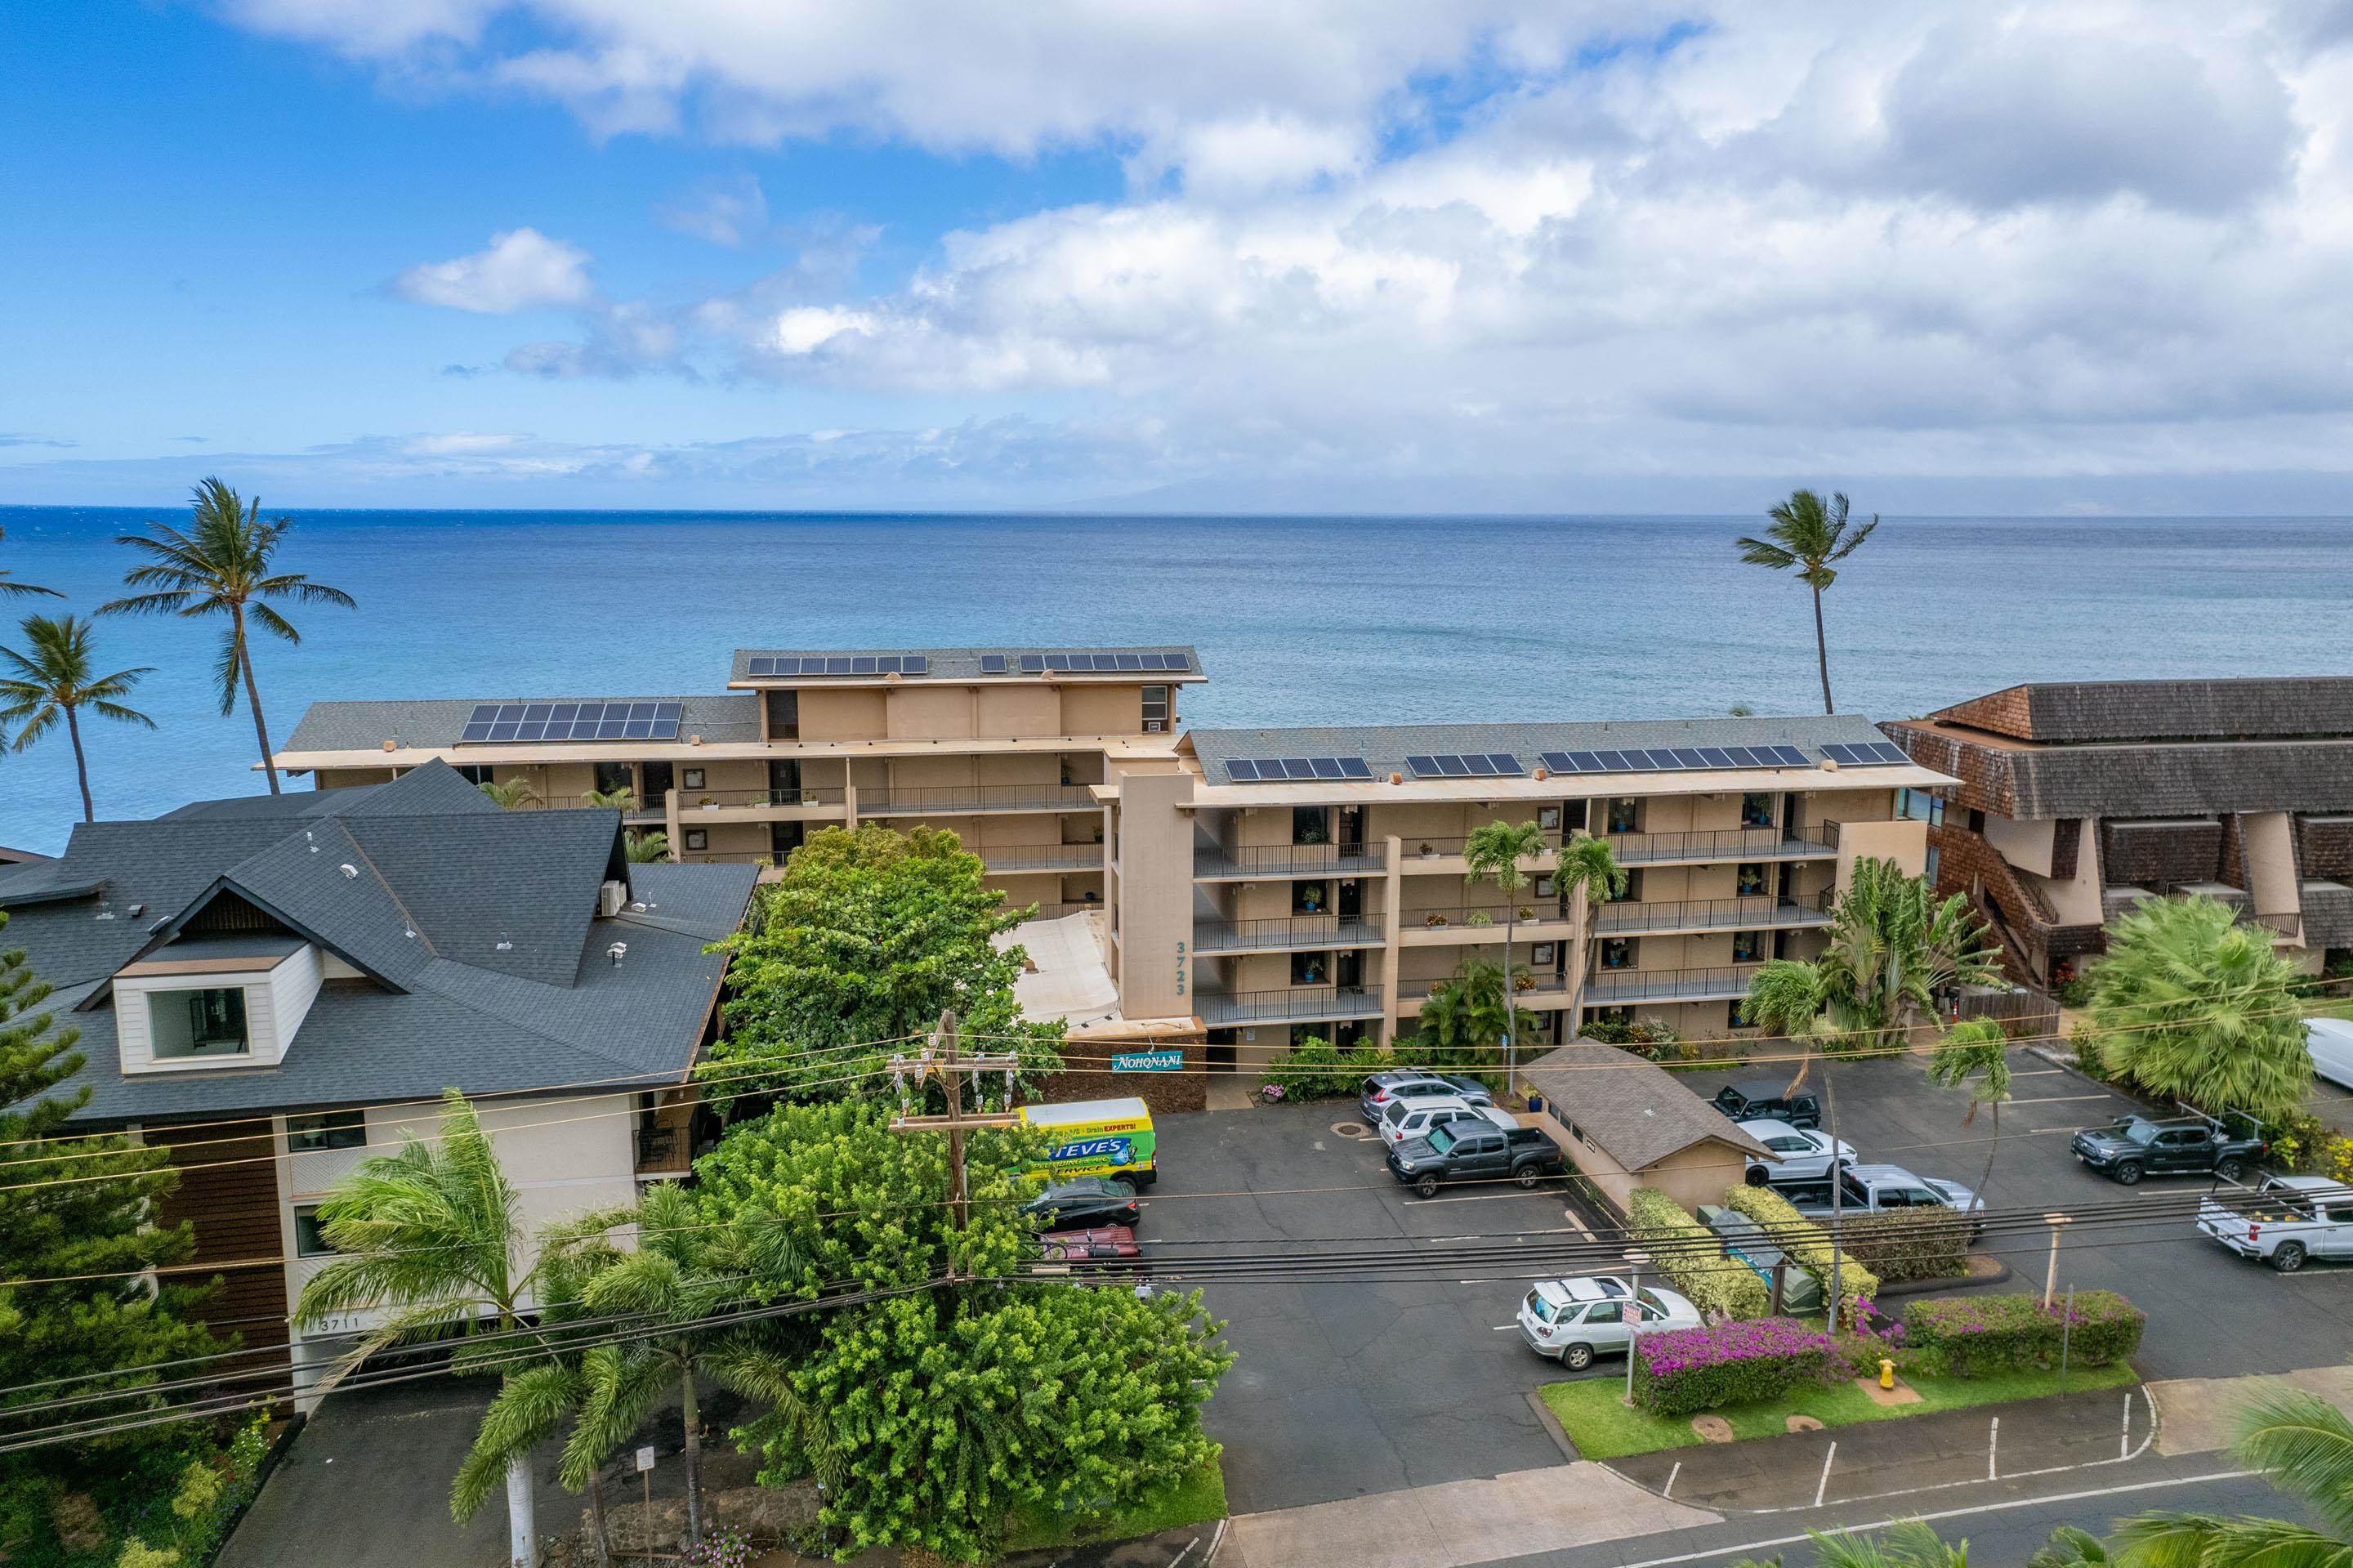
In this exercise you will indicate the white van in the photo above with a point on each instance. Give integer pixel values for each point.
(2330, 1040)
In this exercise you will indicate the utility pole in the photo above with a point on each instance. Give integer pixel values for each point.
(1837, 1183)
(942, 1060)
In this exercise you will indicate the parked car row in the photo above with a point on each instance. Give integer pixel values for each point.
(1819, 1173)
(1573, 1321)
(2132, 1147)
(1441, 1128)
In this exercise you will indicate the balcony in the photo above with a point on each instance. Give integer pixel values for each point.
(1261, 862)
(1544, 991)
(1466, 927)
(1817, 843)
(1443, 857)
(1713, 914)
(1634, 988)
(812, 804)
(973, 799)
(1299, 1004)
(1058, 911)
(1298, 931)
(1023, 859)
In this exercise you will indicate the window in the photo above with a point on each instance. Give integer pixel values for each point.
(472, 773)
(1572, 816)
(1311, 969)
(1548, 818)
(1920, 806)
(1309, 898)
(1542, 955)
(1618, 952)
(327, 1130)
(1748, 879)
(1547, 887)
(1977, 821)
(698, 838)
(612, 776)
(1630, 892)
(184, 1023)
(1156, 709)
(1748, 946)
(1309, 825)
(784, 715)
(1736, 1014)
(692, 779)
(309, 1241)
(1611, 1313)
(1929, 867)
(1756, 809)
(1624, 812)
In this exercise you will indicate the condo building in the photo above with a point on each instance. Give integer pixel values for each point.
(1227, 891)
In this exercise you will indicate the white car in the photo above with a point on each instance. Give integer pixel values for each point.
(1573, 1321)
(2330, 1042)
(1799, 1154)
(1409, 1118)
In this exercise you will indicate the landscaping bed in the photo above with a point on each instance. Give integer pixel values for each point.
(1197, 1499)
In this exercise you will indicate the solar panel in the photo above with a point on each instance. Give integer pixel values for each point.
(1130, 661)
(763, 667)
(992, 663)
(1454, 767)
(1716, 757)
(1106, 661)
(1242, 771)
(1690, 757)
(1659, 761)
(1055, 661)
(1786, 756)
(1033, 663)
(1586, 761)
(1424, 767)
(1556, 761)
(1296, 767)
(1614, 762)
(1354, 767)
(1502, 763)
(1889, 752)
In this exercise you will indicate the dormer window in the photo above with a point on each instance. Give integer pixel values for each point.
(198, 1023)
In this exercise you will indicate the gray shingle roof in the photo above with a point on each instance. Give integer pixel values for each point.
(434, 886)
(1635, 1111)
(964, 663)
(437, 723)
(1385, 747)
(2064, 711)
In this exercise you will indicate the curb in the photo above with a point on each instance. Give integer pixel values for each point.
(1553, 1428)
(1950, 1282)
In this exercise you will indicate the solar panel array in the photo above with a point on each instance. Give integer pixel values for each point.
(1466, 765)
(1078, 664)
(842, 664)
(1867, 754)
(495, 722)
(1680, 758)
(1282, 769)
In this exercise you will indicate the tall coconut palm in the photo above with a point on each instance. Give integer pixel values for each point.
(2194, 1006)
(431, 1237)
(8, 586)
(55, 681)
(1497, 852)
(1809, 536)
(2302, 1445)
(1974, 1056)
(222, 564)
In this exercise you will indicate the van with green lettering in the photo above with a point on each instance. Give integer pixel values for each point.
(1096, 1138)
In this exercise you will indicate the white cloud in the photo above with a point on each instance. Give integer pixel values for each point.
(522, 269)
(725, 212)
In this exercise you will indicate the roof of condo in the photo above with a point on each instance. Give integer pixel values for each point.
(435, 723)
(1638, 1113)
(2258, 707)
(1385, 747)
(964, 663)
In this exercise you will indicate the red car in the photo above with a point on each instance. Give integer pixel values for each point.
(1100, 1244)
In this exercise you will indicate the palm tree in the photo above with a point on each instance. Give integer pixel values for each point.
(2194, 1006)
(1809, 536)
(1911, 1544)
(2301, 1443)
(54, 680)
(432, 1235)
(624, 799)
(2069, 1547)
(513, 794)
(1493, 853)
(221, 566)
(8, 586)
(642, 848)
(1974, 1054)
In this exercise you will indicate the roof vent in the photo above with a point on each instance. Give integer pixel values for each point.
(136, 910)
(616, 952)
(502, 945)
(351, 872)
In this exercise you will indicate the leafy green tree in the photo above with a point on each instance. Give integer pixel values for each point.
(511, 794)
(1911, 1544)
(431, 1237)
(224, 564)
(2195, 1007)
(55, 681)
(78, 1223)
(10, 588)
(948, 1407)
(2300, 1443)
(1974, 1056)
(1809, 536)
(1466, 1014)
(642, 848)
(868, 938)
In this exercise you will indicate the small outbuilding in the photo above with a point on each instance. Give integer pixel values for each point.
(1626, 1123)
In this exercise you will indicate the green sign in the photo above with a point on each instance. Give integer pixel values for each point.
(1148, 1061)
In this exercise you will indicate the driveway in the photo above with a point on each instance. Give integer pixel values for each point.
(2210, 1314)
(1346, 1388)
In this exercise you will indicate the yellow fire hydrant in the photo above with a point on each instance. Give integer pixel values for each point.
(1886, 1373)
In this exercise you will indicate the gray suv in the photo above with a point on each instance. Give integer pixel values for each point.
(1374, 1098)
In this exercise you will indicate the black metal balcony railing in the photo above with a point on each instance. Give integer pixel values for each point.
(1042, 857)
(1540, 912)
(730, 857)
(1608, 987)
(1539, 987)
(641, 809)
(693, 800)
(1289, 860)
(1307, 931)
(1299, 1004)
(1724, 843)
(948, 799)
(1057, 911)
(1411, 848)
(1712, 914)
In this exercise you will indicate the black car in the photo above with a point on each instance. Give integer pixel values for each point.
(1765, 1097)
(1473, 1152)
(2132, 1147)
(1083, 1203)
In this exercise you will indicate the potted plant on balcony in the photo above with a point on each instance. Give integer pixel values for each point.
(1478, 917)
(1527, 911)
(808, 798)
(1435, 921)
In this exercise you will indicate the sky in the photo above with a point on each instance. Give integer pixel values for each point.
(1316, 255)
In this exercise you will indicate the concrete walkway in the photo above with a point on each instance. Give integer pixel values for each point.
(1458, 1523)
(2198, 1415)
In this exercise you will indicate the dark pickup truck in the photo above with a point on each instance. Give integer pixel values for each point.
(1473, 1152)
(2132, 1147)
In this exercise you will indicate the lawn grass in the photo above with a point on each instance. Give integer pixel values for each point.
(1595, 1415)
(1194, 1499)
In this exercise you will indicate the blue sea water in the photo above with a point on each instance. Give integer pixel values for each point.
(1299, 621)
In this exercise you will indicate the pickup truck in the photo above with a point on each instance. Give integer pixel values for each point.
(2132, 1147)
(1473, 1152)
(1881, 1188)
(2284, 1222)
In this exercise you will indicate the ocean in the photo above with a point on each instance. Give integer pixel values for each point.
(1298, 620)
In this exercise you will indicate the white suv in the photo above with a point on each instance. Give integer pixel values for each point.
(1414, 1117)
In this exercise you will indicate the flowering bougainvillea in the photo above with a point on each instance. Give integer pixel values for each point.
(724, 1547)
(1688, 1370)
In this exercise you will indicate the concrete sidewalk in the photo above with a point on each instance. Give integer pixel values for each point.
(2196, 1414)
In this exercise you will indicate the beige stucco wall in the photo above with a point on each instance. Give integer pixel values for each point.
(1020, 711)
(2026, 845)
(846, 714)
(2269, 841)
(1102, 710)
(1905, 843)
(1155, 914)
(945, 711)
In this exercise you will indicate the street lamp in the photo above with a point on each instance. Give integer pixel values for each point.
(1636, 1261)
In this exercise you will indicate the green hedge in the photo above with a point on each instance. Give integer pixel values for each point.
(1688, 1370)
(1318, 1070)
(1910, 1244)
(1690, 1254)
(1808, 1245)
(1970, 1335)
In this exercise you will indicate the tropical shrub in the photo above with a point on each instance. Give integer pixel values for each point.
(1684, 1370)
(1970, 1335)
(1689, 1253)
(1910, 1244)
(2193, 1006)
(1315, 1069)
(1808, 1245)
(2310, 1146)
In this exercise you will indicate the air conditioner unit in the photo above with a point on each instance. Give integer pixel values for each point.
(609, 899)
(1154, 726)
